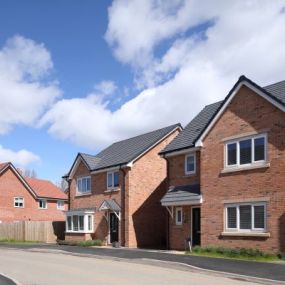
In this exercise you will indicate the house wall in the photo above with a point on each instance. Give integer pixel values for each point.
(246, 113)
(145, 217)
(176, 177)
(10, 187)
(97, 196)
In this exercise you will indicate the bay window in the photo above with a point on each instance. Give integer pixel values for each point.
(246, 151)
(245, 217)
(81, 222)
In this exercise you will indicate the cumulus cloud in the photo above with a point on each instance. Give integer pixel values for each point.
(207, 46)
(21, 158)
(26, 91)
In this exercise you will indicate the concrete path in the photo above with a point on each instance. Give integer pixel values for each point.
(32, 267)
(245, 268)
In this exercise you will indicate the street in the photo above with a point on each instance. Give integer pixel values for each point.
(38, 268)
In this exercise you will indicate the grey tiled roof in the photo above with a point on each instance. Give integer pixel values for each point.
(277, 90)
(112, 205)
(181, 194)
(125, 151)
(194, 129)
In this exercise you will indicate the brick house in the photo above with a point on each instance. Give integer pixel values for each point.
(29, 199)
(226, 174)
(115, 195)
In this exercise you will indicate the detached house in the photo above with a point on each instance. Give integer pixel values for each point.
(226, 174)
(29, 199)
(115, 195)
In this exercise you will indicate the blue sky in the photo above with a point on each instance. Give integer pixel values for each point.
(87, 73)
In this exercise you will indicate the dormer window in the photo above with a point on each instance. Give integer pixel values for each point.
(190, 164)
(246, 151)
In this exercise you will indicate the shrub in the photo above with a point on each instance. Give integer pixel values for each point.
(86, 243)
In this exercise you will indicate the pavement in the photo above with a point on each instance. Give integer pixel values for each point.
(31, 267)
(266, 271)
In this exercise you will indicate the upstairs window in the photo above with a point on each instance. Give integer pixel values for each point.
(84, 185)
(60, 205)
(245, 217)
(19, 202)
(113, 179)
(190, 163)
(246, 151)
(43, 204)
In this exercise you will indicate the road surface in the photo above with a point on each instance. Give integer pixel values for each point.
(42, 268)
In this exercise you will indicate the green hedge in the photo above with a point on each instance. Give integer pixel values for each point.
(95, 242)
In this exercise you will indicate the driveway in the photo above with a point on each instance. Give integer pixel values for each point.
(32, 267)
(246, 268)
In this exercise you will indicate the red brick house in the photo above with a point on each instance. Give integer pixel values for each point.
(226, 174)
(115, 195)
(29, 199)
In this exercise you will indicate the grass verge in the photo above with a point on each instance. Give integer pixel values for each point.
(248, 254)
(86, 243)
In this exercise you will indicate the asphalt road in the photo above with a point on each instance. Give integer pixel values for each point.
(247, 268)
(38, 268)
(5, 281)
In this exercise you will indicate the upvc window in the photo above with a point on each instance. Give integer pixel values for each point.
(84, 185)
(245, 217)
(43, 204)
(19, 202)
(178, 216)
(79, 223)
(60, 205)
(246, 151)
(190, 163)
(113, 179)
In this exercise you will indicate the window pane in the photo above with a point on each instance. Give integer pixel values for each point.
(259, 217)
(245, 217)
(179, 216)
(232, 154)
(69, 223)
(75, 223)
(81, 223)
(245, 151)
(190, 164)
(110, 180)
(232, 217)
(116, 179)
(89, 223)
(79, 188)
(84, 185)
(88, 184)
(259, 149)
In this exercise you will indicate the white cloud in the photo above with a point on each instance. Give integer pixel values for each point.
(21, 158)
(106, 87)
(245, 37)
(25, 90)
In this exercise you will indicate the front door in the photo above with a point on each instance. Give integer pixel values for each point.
(196, 226)
(114, 227)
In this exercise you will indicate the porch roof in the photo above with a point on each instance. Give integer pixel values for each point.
(182, 195)
(110, 204)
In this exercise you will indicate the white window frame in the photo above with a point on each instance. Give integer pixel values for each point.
(60, 204)
(186, 157)
(23, 201)
(77, 188)
(237, 229)
(113, 179)
(237, 142)
(85, 223)
(45, 201)
(177, 222)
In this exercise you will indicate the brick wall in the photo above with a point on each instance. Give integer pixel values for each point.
(176, 177)
(246, 113)
(146, 218)
(10, 187)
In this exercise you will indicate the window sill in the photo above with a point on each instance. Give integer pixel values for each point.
(83, 195)
(246, 234)
(79, 232)
(242, 168)
(112, 190)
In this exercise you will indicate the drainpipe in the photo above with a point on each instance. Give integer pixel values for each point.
(123, 208)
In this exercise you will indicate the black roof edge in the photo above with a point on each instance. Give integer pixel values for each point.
(174, 150)
(110, 166)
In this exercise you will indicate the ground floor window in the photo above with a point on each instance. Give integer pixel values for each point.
(79, 223)
(178, 216)
(245, 217)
